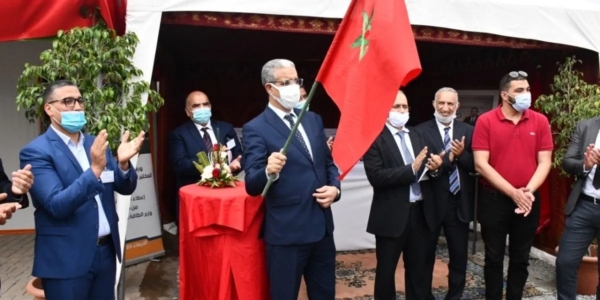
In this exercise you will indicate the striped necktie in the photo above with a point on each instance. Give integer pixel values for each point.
(454, 182)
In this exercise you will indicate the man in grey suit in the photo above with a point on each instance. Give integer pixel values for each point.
(583, 207)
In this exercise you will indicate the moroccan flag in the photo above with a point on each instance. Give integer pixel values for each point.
(372, 55)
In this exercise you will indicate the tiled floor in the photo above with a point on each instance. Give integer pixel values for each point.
(157, 280)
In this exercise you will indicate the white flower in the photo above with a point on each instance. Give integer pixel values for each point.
(226, 169)
(224, 155)
(207, 173)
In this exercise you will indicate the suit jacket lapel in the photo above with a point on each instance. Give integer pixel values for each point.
(273, 119)
(87, 145)
(308, 128)
(436, 135)
(416, 142)
(216, 129)
(592, 133)
(390, 140)
(195, 135)
(60, 144)
(458, 131)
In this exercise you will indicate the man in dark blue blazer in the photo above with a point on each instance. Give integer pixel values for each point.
(76, 232)
(298, 225)
(197, 135)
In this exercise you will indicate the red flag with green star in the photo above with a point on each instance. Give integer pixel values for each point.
(372, 55)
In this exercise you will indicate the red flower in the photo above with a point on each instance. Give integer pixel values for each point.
(216, 173)
(216, 147)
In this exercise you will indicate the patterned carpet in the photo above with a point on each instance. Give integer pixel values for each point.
(356, 274)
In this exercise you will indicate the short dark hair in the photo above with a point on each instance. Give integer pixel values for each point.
(507, 79)
(55, 85)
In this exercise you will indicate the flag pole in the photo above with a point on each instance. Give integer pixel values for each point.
(291, 136)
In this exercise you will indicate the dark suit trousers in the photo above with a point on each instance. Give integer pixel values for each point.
(287, 264)
(498, 219)
(413, 243)
(581, 227)
(97, 284)
(457, 237)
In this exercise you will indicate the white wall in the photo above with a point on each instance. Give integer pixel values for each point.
(15, 130)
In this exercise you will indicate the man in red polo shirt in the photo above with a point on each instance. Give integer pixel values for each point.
(512, 146)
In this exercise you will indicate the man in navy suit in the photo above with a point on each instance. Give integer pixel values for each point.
(76, 231)
(298, 225)
(197, 135)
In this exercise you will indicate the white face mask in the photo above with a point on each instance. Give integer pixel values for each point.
(442, 119)
(398, 119)
(522, 102)
(290, 95)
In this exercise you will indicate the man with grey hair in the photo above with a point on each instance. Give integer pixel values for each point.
(453, 188)
(298, 225)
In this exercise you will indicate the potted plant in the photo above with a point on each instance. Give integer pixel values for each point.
(572, 100)
(99, 63)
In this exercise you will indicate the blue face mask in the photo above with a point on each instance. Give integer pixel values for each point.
(72, 121)
(202, 115)
(522, 102)
(300, 105)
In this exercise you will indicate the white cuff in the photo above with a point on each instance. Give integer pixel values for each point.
(276, 175)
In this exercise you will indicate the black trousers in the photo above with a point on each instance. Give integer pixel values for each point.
(498, 219)
(581, 227)
(413, 243)
(457, 236)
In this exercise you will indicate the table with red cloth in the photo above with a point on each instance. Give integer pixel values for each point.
(221, 255)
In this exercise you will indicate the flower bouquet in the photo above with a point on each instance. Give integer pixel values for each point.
(215, 168)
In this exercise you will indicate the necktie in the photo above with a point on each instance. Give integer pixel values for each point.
(408, 159)
(290, 119)
(596, 180)
(454, 182)
(207, 142)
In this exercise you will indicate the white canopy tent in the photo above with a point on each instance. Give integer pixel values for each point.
(574, 23)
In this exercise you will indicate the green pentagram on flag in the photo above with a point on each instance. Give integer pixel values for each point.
(362, 41)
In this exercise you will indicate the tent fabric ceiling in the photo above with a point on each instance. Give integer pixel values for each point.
(573, 22)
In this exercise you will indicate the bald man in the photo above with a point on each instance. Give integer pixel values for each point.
(199, 134)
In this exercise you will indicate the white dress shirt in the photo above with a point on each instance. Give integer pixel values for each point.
(413, 197)
(588, 187)
(78, 151)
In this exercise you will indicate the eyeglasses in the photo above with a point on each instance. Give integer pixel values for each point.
(515, 74)
(298, 81)
(70, 101)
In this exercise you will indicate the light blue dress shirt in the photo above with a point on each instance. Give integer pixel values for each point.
(79, 153)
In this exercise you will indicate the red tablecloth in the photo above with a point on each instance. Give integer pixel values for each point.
(221, 256)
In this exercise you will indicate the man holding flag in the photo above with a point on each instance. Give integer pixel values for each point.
(298, 225)
(372, 55)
